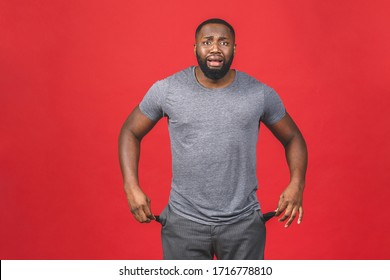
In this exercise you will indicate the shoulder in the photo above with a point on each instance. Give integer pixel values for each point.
(250, 82)
(182, 77)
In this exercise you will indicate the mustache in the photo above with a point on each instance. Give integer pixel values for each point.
(214, 74)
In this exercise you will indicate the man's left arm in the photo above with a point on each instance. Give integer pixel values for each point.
(290, 201)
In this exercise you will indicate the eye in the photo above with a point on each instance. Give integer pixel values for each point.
(206, 43)
(224, 43)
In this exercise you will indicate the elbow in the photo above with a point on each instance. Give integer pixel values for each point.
(127, 133)
(297, 138)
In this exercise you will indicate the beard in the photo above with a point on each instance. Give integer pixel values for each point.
(214, 74)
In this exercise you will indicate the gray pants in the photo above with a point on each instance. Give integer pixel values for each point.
(183, 239)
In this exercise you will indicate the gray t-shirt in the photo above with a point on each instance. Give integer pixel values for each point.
(213, 135)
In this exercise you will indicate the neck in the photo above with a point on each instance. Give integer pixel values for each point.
(210, 83)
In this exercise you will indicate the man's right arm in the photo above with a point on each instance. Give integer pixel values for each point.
(136, 126)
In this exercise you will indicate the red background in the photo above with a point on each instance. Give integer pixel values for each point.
(71, 72)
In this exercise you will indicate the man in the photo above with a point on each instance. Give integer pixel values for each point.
(214, 115)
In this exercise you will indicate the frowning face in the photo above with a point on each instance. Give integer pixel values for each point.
(214, 49)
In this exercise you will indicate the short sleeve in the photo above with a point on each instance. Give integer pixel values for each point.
(152, 103)
(274, 109)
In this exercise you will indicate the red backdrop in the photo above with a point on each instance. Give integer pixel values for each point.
(71, 72)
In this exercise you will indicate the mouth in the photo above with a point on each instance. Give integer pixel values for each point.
(215, 61)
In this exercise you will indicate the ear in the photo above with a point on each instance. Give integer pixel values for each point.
(195, 49)
(234, 49)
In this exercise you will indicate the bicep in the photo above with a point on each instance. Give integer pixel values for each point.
(138, 123)
(285, 129)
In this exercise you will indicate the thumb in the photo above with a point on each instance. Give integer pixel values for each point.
(148, 210)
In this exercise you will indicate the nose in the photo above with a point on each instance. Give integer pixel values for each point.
(215, 47)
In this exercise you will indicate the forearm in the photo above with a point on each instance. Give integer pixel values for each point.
(133, 130)
(296, 155)
(290, 201)
(129, 153)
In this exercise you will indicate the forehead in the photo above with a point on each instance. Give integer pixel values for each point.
(215, 30)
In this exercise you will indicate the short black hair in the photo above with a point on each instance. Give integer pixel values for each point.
(215, 20)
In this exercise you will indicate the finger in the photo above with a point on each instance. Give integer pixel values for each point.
(292, 217)
(287, 213)
(281, 206)
(300, 217)
(144, 218)
(136, 215)
(148, 213)
(278, 209)
(150, 216)
(139, 215)
(287, 209)
(285, 216)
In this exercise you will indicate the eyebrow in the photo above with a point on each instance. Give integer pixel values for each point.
(212, 37)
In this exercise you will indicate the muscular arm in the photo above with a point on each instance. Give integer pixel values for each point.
(136, 126)
(290, 201)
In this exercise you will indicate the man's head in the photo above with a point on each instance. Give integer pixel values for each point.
(214, 47)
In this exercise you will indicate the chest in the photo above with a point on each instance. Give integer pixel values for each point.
(216, 110)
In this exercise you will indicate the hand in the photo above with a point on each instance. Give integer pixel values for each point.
(139, 205)
(291, 202)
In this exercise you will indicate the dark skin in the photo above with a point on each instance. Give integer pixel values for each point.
(214, 41)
